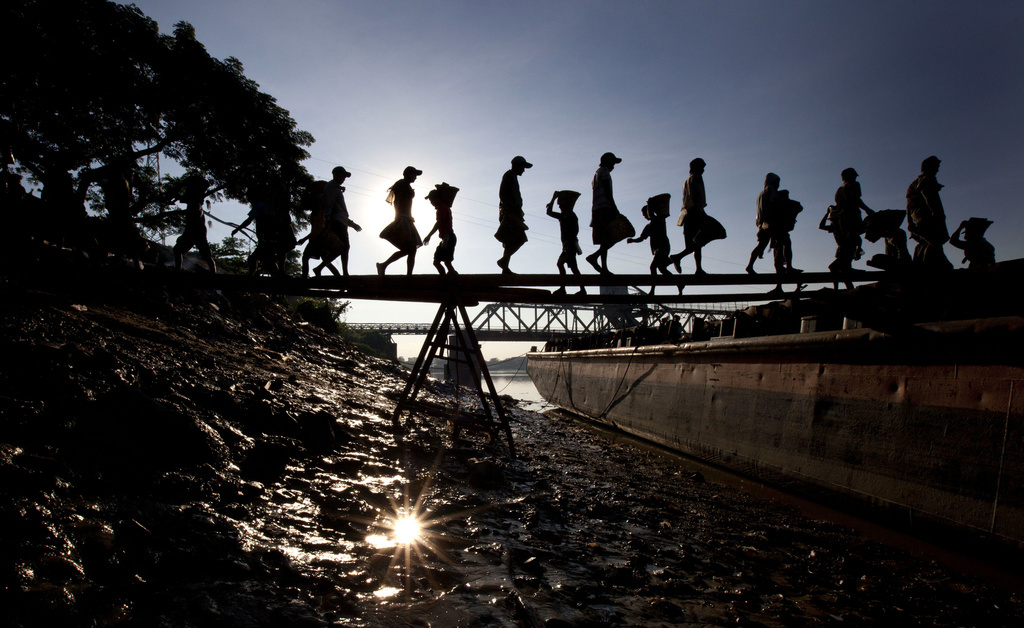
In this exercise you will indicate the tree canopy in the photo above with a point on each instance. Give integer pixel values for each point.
(96, 88)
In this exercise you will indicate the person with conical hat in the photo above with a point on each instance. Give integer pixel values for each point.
(978, 252)
(569, 229)
(402, 231)
(511, 218)
(442, 197)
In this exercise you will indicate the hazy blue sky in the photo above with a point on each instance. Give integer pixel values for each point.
(802, 89)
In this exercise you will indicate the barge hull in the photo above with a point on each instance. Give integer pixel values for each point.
(928, 424)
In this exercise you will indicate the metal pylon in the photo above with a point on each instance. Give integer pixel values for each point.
(452, 318)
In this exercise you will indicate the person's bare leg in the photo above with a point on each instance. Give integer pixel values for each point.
(383, 266)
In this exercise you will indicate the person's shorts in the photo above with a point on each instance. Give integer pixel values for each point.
(445, 251)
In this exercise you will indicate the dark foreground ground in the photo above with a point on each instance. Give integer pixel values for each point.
(192, 459)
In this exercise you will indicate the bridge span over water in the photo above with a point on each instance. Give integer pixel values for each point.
(526, 307)
(520, 307)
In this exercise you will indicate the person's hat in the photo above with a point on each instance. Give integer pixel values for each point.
(339, 170)
(977, 226)
(567, 198)
(411, 170)
(610, 158)
(442, 194)
(519, 160)
(658, 205)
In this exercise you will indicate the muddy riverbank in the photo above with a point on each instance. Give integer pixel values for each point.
(186, 458)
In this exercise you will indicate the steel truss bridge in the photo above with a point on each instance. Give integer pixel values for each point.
(543, 322)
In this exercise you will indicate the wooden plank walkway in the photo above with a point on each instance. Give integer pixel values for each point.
(472, 289)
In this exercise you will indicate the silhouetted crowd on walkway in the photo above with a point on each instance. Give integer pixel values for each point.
(849, 220)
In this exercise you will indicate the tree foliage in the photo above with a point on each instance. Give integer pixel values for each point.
(95, 88)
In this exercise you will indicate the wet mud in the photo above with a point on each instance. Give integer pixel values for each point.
(177, 458)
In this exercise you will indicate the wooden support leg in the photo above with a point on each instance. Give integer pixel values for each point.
(419, 369)
(447, 318)
(475, 345)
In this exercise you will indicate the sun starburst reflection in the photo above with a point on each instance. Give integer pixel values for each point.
(415, 535)
(407, 530)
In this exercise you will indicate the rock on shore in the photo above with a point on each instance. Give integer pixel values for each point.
(185, 458)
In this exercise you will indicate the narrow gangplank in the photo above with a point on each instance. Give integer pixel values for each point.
(471, 289)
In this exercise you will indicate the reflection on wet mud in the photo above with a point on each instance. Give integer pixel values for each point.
(166, 472)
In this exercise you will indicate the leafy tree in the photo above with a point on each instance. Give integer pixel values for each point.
(222, 125)
(82, 93)
(96, 88)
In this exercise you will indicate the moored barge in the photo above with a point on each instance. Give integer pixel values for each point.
(920, 419)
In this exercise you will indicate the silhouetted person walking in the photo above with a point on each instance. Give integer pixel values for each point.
(698, 227)
(315, 201)
(607, 223)
(511, 218)
(765, 202)
(782, 221)
(442, 197)
(116, 182)
(402, 231)
(844, 221)
(332, 240)
(569, 229)
(656, 211)
(274, 236)
(194, 235)
(926, 218)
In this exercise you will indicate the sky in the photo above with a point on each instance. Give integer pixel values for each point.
(803, 89)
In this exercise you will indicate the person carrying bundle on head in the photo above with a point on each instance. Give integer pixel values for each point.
(569, 228)
(442, 197)
(656, 211)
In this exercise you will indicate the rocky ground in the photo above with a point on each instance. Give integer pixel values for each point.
(186, 458)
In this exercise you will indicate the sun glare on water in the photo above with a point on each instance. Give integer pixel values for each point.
(407, 530)
(404, 531)
(414, 535)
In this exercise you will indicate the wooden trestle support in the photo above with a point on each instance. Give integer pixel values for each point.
(452, 318)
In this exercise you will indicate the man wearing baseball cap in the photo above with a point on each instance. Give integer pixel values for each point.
(511, 219)
(603, 212)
